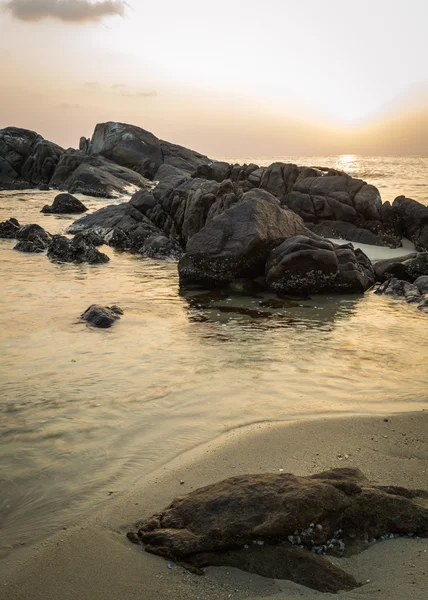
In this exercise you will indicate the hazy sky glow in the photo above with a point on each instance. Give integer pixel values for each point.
(230, 77)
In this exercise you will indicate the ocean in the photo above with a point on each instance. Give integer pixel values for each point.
(84, 412)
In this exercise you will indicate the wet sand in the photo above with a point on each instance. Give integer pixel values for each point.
(94, 561)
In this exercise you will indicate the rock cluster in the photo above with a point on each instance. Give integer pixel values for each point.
(255, 522)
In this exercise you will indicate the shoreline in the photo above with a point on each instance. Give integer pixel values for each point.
(94, 560)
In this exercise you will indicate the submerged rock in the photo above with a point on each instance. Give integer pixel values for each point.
(252, 522)
(9, 229)
(64, 204)
(61, 249)
(101, 316)
(303, 265)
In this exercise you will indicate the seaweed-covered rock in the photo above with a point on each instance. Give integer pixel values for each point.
(304, 265)
(236, 243)
(101, 316)
(408, 267)
(334, 511)
(61, 249)
(65, 204)
(9, 229)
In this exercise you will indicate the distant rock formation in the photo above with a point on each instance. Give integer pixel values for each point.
(140, 150)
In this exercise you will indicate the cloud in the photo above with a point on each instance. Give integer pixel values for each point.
(68, 106)
(72, 11)
(150, 94)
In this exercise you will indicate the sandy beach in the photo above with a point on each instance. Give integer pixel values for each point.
(93, 560)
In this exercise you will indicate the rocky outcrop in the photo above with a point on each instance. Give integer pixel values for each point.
(408, 267)
(301, 265)
(123, 226)
(101, 316)
(61, 249)
(64, 204)
(26, 159)
(268, 523)
(95, 176)
(236, 243)
(9, 229)
(140, 150)
(314, 193)
(412, 218)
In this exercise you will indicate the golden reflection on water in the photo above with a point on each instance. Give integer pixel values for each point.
(84, 411)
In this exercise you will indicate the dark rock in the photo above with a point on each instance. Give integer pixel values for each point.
(84, 145)
(101, 316)
(34, 245)
(236, 243)
(96, 176)
(44, 187)
(397, 287)
(252, 522)
(124, 227)
(29, 232)
(413, 220)
(140, 150)
(61, 249)
(422, 284)
(408, 267)
(65, 204)
(9, 229)
(159, 246)
(91, 237)
(26, 159)
(352, 233)
(303, 265)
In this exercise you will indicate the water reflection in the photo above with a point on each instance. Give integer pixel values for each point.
(84, 412)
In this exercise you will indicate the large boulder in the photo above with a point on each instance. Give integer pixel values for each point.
(64, 204)
(95, 176)
(61, 249)
(236, 243)
(301, 265)
(412, 218)
(140, 150)
(26, 159)
(266, 523)
(408, 267)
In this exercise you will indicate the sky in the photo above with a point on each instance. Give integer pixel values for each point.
(227, 78)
